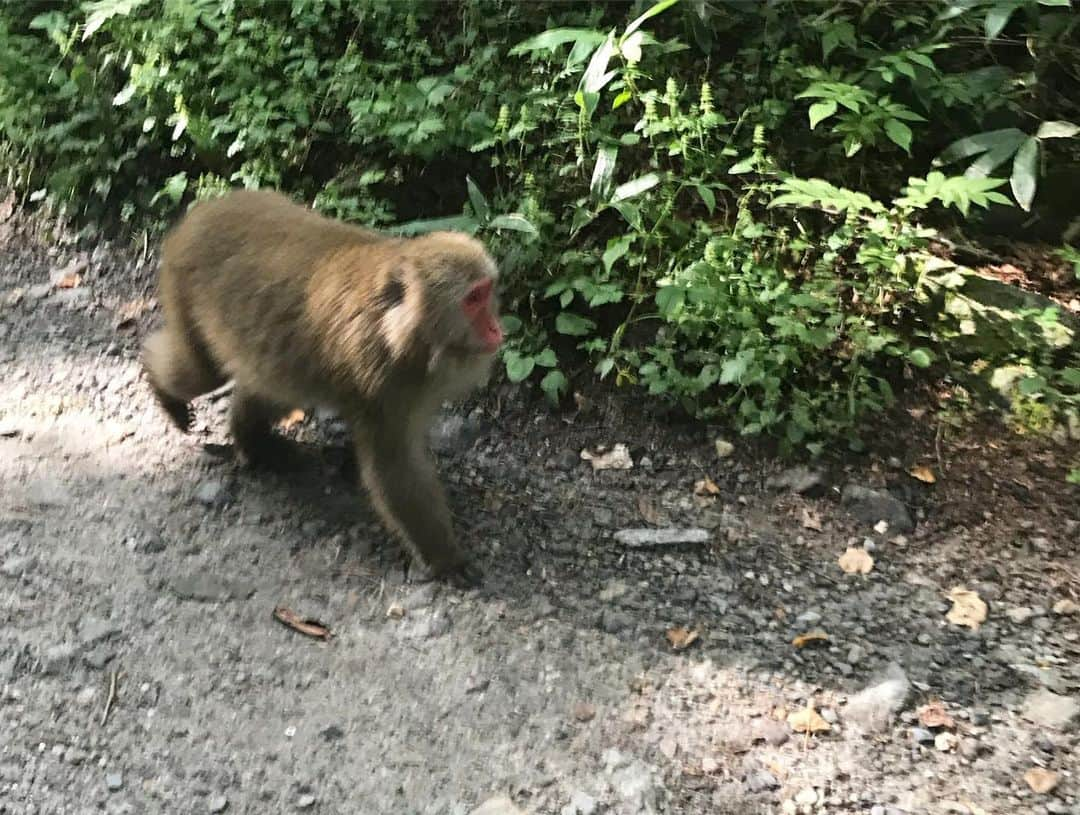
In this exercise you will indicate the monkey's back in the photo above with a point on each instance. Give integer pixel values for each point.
(260, 282)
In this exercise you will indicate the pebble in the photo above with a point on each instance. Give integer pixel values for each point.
(1047, 709)
(614, 622)
(874, 707)
(920, 735)
(807, 796)
(500, 805)
(1020, 615)
(1065, 608)
(306, 801)
(581, 803)
(871, 506)
(638, 538)
(809, 618)
(724, 448)
(85, 697)
(759, 781)
(219, 803)
(613, 590)
(800, 480)
(114, 781)
(856, 654)
(211, 492)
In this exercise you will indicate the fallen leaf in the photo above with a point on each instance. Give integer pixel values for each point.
(817, 635)
(811, 519)
(681, 638)
(68, 281)
(293, 419)
(706, 486)
(617, 458)
(312, 628)
(968, 608)
(584, 712)
(933, 715)
(923, 474)
(648, 511)
(1040, 780)
(808, 720)
(856, 561)
(395, 611)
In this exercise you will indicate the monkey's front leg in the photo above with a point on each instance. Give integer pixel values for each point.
(401, 479)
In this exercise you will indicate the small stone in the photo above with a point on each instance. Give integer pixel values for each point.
(874, 708)
(95, 629)
(210, 493)
(39, 292)
(801, 480)
(98, 657)
(114, 781)
(639, 538)
(306, 801)
(1048, 709)
(760, 781)
(15, 567)
(809, 618)
(219, 803)
(945, 742)
(57, 658)
(871, 506)
(332, 733)
(613, 622)
(856, 654)
(724, 448)
(581, 803)
(920, 735)
(1020, 615)
(85, 697)
(970, 748)
(773, 732)
(500, 805)
(1066, 607)
(584, 712)
(807, 796)
(612, 591)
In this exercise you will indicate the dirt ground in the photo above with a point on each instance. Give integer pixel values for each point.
(142, 670)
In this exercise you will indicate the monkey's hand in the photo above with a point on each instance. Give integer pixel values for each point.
(459, 572)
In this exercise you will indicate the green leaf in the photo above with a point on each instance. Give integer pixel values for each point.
(546, 358)
(553, 38)
(980, 143)
(616, 248)
(621, 99)
(515, 222)
(920, 357)
(635, 187)
(603, 171)
(821, 110)
(899, 133)
(518, 367)
(1025, 170)
(998, 17)
(476, 198)
(1056, 3)
(573, 325)
(460, 223)
(553, 385)
(597, 75)
(510, 324)
(740, 167)
(707, 196)
(670, 299)
(663, 5)
(1057, 130)
(733, 369)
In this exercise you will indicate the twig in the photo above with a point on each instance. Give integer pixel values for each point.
(111, 699)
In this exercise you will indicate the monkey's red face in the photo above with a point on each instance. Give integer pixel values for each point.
(479, 309)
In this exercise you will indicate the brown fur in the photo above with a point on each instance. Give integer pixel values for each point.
(299, 311)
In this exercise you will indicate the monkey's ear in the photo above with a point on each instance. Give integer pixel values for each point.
(400, 300)
(390, 295)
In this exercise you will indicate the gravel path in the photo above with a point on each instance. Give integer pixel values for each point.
(142, 671)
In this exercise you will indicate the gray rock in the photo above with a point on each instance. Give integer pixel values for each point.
(499, 805)
(759, 781)
(615, 621)
(1020, 615)
(612, 591)
(15, 567)
(920, 735)
(305, 801)
(94, 629)
(114, 781)
(771, 731)
(39, 292)
(645, 537)
(856, 654)
(98, 657)
(1048, 709)
(57, 658)
(800, 479)
(874, 707)
(219, 803)
(207, 588)
(581, 803)
(809, 618)
(211, 492)
(871, 506)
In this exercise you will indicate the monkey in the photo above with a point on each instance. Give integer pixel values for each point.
(297, 310)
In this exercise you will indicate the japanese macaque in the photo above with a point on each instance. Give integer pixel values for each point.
(299, 310)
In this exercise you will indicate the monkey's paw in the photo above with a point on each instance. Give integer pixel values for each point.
(460, 573)
(179, 411)
(273, 453)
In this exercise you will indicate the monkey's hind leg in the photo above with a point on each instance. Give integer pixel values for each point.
(178, 372)
(251, 421)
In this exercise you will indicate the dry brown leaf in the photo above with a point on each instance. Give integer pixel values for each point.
(968, 608)
(681, 638)
(817, 635)
(312, 628)
(68, 281)
(856, 561)
(294, 418)
(933, 715)
(395, 611)
(706, 486)
(811, 519)
(923, 474)
(1041, 780)
(617, 458)
(648, 511)
(808, 720)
